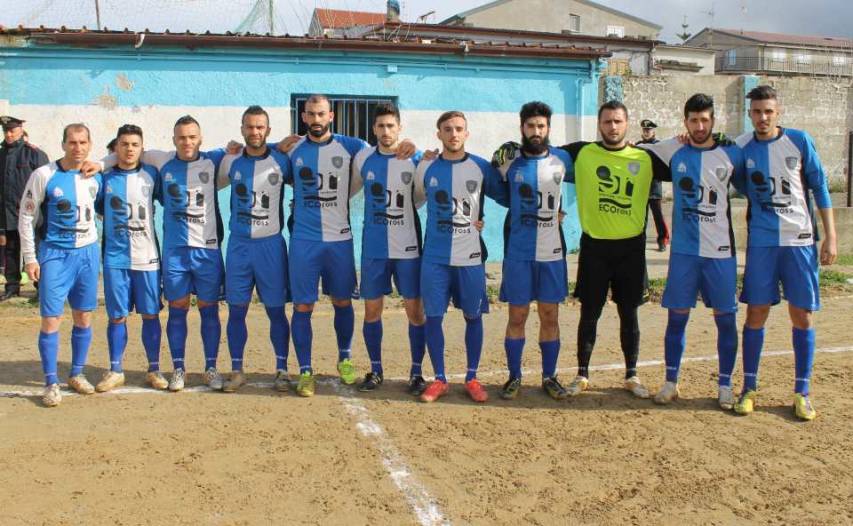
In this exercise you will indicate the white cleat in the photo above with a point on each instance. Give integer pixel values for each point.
(177, 382)
(110, 381)
(577, 386)
(80, 384)
(636, 387)
(51, 396)
(213, 379)
(726, 397)
(668, 393)
(156, 380)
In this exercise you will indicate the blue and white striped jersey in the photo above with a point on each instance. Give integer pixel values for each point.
(779, 174)
(701, 212)
(320, 174)
(454, 192)
(58, 206)
(533, 191)
(127, 204)
(188, 193)
(257, 192)
(392, 228)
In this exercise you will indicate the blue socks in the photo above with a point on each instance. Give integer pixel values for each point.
(211, 332)
(435, 345)
(726, 347)
(373, 341)
(417, 344)
(473, 345)
(804, 344)
(176, 333)
(550, 353)
(514, 347)
(674, 343)
(116, 342)
(49, 351)
(344, 327)
(753, 341)
(279, 336)
(81, 339)
(302, 339)
(151, 334)
(237, 334)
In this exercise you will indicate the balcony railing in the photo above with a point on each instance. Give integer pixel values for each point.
(817, 66)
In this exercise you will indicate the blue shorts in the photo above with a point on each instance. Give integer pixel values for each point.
(466, 286)
(127, 290)
(376, 275)
(192, 270)
(526, 281)
(68, 273)
(260, 263)
(311, 261)
(795, 267)
(714, 278)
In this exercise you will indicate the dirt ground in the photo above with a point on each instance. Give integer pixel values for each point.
(260, 457)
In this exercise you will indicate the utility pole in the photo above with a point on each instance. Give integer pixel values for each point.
(98, 14)
(272, 18)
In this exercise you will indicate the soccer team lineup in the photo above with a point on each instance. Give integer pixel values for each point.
(83, 220)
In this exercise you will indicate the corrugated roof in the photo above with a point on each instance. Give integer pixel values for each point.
(338, 18)
(436, 46)
(782, 38)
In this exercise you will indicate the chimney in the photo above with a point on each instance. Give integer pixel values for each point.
(393, 14)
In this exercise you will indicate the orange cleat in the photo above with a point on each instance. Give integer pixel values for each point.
(476, 391)
(434, 391)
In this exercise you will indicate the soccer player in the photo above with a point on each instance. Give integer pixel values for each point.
(257, 254)
(192, 232)
(612, 180)
(131, 256)
(58, 207)
(391, 244)
(534, 266)
(454, 186)
(703, 252)
(782, 167)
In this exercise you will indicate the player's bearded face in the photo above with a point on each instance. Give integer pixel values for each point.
(387, 130)
(699, 126)
(318, 117)
(613, 125)
(535, 135)
(452, 133)
(255, 130)
(187, 140)
(129, 149)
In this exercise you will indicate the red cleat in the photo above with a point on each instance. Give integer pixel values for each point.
(434, 391)
(476, 391)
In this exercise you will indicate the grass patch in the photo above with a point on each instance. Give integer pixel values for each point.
(845, 259)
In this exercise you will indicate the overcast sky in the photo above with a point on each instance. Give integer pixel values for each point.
(816, 17)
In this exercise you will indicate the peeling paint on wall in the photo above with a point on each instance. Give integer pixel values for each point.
(106, 99)
(123, 83)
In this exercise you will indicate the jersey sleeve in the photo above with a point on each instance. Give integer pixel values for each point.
(736, 157)
(353, 145)
(660, 169)
(495, 183)
(813, 171)
(283, 161)
(30, 215)
(356, 179)
(573, 150)
(568, 162)
(665, 150)
(216, 156)
(156, 158)
(99, 198)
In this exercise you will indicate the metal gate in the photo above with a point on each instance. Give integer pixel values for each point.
(353, 115)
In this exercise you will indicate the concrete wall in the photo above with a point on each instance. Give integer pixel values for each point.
(819, 106)
(703, 57)
(553, 17)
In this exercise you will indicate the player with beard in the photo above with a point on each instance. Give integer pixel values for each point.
(703, 249)
(612, 180)
(782, 167)
(534, 266)
(257, 253)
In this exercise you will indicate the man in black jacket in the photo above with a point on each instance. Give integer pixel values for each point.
(18, 159)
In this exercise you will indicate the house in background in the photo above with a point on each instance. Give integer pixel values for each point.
(756, 52)
(682, 60)
(333, 22)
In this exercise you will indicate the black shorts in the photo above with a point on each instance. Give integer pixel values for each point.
(617, 265)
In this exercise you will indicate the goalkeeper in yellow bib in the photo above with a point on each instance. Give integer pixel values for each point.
(612, 181)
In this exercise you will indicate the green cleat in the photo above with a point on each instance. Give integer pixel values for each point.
(510, 389)
(803, 407)
(554, 389)
(347, 371)
(305, 386)
(746, 403)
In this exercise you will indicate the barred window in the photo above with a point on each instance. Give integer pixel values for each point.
(353, 115)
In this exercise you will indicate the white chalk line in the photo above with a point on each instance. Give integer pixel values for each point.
(420, 501)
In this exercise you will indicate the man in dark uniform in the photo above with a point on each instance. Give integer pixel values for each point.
(18, 159)
(656, 192)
